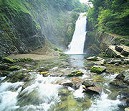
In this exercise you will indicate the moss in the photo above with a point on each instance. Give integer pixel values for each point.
(76, 73)
(14, 68)
(97, 69)
(116, 69)
(98, 78)
(8, 60)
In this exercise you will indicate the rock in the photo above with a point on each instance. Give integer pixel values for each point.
(117, 48)
(8, 60)
(75, 73)
(76, 82)
(126, 61)
(120, 76)
(124, 53)
(121, 80)
(88, 84)
(18, 76)
(94, 58)
(98, 69)
(67, 83)
(93, 90)
(45, 73)
(42, 69)
(98, 78)
(115, 61)
(118, 83)
(127, 109)
(14, 68)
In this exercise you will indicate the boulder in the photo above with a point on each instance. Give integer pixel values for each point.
(115, 61)
(124, 53)
(45, 73)
(126, 61)
(42, 69)
(75, 73)
(127, 109)
(118, 83)
(117, 48)
(93, 90)
(67, 83)
(122, 79)
(98, 69)
(87, 84)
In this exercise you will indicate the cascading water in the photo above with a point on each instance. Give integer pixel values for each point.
(77, 44)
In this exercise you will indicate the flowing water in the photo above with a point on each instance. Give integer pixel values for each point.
(48, 93)
(77, 44)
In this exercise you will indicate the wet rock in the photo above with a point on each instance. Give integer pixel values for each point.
(8, 60)
(88, 84)
(94, 58)
(77, 82)
(18, 76)
(126, 61)
(93, 90)
(124, 98)
(118, 83)
(98, 69)
(127, 109)
(117, 48)
(42, 69)
(75, 73)
(45, 73)
(115, 61)
(124, 53)
(121, 80)
(67, 83)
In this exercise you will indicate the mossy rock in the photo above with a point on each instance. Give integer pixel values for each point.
(8, 60)
(14, 68)
(45, 73)
(76, 74)
(18, 76)
(98, 69)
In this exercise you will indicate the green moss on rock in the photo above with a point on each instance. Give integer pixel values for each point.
(76, 73)
(98, 69)
(14, 68)
(8, 60)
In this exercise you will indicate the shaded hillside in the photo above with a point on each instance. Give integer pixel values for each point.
(26, 24)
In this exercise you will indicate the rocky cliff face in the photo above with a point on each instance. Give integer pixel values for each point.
(26, 24)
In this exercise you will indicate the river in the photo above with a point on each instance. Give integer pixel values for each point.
(48, 93)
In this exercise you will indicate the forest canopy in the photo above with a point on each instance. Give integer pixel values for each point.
(110, 16)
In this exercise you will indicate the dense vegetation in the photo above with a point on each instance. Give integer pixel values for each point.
(110, 16)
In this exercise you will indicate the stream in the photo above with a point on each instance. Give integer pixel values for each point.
(50, 94)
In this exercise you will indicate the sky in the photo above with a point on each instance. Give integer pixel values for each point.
(84, 1)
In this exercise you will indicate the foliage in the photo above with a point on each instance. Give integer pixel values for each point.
(110, 15)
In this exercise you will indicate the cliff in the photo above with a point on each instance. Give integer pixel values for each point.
(26, 25)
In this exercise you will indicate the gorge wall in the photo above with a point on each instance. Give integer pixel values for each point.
(26, 25)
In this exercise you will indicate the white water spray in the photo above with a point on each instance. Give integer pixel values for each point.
(77, 44)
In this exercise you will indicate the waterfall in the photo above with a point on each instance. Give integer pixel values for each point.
(77, 44)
